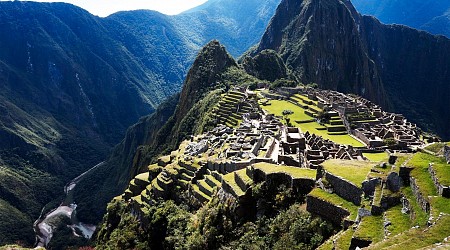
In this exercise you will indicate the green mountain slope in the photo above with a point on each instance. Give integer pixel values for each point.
(71, 83)
(161, 132)
(432, 16)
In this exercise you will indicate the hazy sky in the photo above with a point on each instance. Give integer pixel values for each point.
(106, 7)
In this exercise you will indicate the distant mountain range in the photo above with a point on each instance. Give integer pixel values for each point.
(429, 15)
(72, 83)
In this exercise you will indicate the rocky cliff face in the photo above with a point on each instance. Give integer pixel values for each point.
(329, 43)
(414, 66)
(266, 65)
(321, 42)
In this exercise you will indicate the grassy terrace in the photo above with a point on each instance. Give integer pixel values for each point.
(420, 217)
(402, 158)
(295, 172)
(437, 147)
(229, 179)
(416, 238)
(336, 200)
(440, 165)
(304, 99)
(370, 228)
(420, 163)
(400, 221)
(243, 175)
(276, 107)
(197, 190)
(353, 171)
(143, 176)
(342, 241)
(377, 157)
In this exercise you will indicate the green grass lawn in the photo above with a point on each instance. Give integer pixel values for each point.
(292, 171)
(401, 159)
(420, 162)
(277, 108)
(436, 147)
(400, 221)
(344, 241)
(440, 204)
(377, 157)
(370, 228)
(336, 200)
(353, 171)
(418, 238)
(421, 217)
(305, 98)
(229, 179)
(345, 139)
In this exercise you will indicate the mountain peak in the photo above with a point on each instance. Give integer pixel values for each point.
(313, 36)
(212, 60)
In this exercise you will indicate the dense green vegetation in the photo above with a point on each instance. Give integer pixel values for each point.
(71, 83)
(170, 226)
(433, 18)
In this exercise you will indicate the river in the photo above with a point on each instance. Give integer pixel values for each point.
(43, 226)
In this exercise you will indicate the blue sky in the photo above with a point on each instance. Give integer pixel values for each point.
(106, 7)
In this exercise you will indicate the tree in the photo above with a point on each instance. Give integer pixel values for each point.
(286, 113)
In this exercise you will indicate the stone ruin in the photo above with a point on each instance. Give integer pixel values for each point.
(196, 148)
(369, 122)
(447, 153)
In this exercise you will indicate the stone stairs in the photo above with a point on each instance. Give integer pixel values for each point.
(230, 108)
(205, 188)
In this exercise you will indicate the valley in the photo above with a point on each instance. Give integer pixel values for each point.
(45, 225)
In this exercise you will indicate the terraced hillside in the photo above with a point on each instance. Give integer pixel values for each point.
(372, 197)
(394, 212)
(231, 107)
(305, 114)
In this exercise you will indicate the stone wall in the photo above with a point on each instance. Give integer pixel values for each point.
(331, 212)
(404, 174)
(288, 160)
(257, 145)
(227, 188)
(298, 185)
(231, 166)
(369, 186)
(447, 154)
(344, 188)
(423, 202)
(443, 190)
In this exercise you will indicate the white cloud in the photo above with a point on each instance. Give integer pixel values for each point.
(107, 7)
